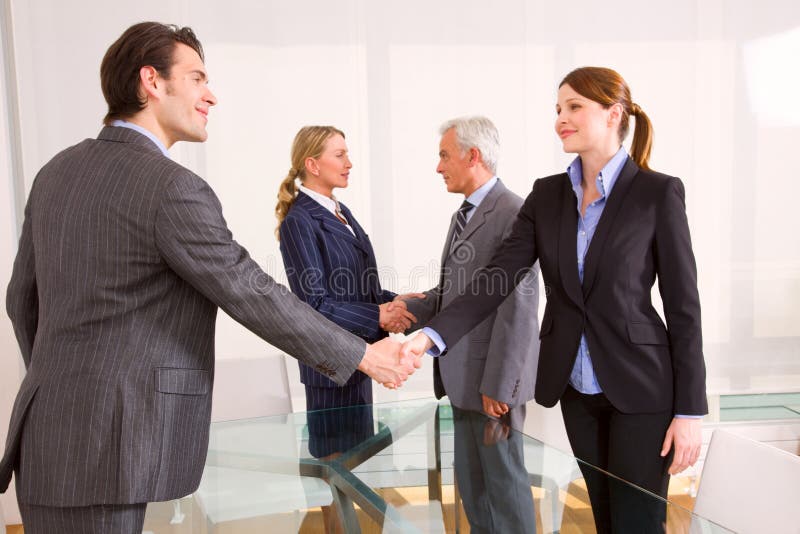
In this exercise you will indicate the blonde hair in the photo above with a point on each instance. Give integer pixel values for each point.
(308, 143)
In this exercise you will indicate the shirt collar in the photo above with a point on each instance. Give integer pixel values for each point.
(145, 132)
(608, 174)
(479, 194)
(326, 202)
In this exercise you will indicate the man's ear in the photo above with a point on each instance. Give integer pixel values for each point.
(150, 82)
(474, 156)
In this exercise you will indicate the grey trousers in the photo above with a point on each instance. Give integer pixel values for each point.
(97, 519)
(492, 477)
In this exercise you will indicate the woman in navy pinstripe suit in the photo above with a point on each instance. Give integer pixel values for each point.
(331, 265)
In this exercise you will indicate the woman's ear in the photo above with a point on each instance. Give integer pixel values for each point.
(615, 114)
(312, 167)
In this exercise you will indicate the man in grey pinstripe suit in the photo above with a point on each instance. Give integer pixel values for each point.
(123, 261)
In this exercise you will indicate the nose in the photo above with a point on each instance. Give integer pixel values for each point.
(347, 163)
(439, 168)
(209, 97)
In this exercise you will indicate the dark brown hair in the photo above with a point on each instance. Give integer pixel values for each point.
(606, 87)
(143, 44)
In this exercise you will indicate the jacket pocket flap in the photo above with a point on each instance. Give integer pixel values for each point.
(647, 334)
(183, 381)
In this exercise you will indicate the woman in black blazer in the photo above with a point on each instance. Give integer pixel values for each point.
(632, 389)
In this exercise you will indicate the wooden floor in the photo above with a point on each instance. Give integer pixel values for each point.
(413, 503)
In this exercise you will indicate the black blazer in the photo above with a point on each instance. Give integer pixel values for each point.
(641, 364)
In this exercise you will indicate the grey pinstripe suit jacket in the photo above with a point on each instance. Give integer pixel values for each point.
(123, 260)
(499, 356)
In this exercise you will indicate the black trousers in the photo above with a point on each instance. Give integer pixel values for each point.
(627, 446)
(97, 519)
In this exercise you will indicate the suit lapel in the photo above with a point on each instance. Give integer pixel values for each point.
(328, 220)
(362, 241)
(606, 224)
(567, 247)
(478, 218)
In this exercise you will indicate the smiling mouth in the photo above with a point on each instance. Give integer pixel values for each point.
(566, 133)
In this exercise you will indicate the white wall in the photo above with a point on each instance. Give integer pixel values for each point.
(11, 368)
(715, 76)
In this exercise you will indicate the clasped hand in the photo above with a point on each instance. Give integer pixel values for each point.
(384, 363)
(394, 316)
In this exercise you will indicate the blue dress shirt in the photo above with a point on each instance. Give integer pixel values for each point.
(583, 377)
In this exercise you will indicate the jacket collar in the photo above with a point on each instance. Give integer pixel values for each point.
(118, 134)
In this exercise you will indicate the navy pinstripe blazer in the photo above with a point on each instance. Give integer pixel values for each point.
(123, 260)
(334, 271)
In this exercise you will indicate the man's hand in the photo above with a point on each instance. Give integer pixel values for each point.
(493, 407)
(382, 363)
(416, 346)
(395, 317)
(494, 432)
(686, 435)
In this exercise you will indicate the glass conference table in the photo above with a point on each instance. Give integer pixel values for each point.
(390, 468)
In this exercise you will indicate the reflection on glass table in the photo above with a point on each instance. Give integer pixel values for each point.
(261, 477)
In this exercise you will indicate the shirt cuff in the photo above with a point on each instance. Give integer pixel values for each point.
(439, 345)
(689, 416)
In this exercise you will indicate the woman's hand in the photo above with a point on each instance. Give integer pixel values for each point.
(686, 435)
(395, 317)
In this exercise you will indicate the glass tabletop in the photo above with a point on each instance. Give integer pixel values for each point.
(393, 468)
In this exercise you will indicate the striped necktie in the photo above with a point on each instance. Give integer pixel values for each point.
(461, 221)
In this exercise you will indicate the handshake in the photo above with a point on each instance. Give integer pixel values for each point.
(394, 316)
(391, 363)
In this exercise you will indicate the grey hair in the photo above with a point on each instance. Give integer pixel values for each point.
(478, 132)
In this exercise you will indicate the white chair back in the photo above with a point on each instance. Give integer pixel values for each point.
(749, 487)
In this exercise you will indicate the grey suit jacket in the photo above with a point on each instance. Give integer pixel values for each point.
(498, 358)
(123, 260)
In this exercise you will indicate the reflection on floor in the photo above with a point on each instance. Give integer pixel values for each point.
(414, 503)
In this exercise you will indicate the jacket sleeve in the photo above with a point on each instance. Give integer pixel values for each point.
(514, 340)
(493, 283)
(677, 283)
(22, 299)
(306, 272)
(194, 240)
(423, 309)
